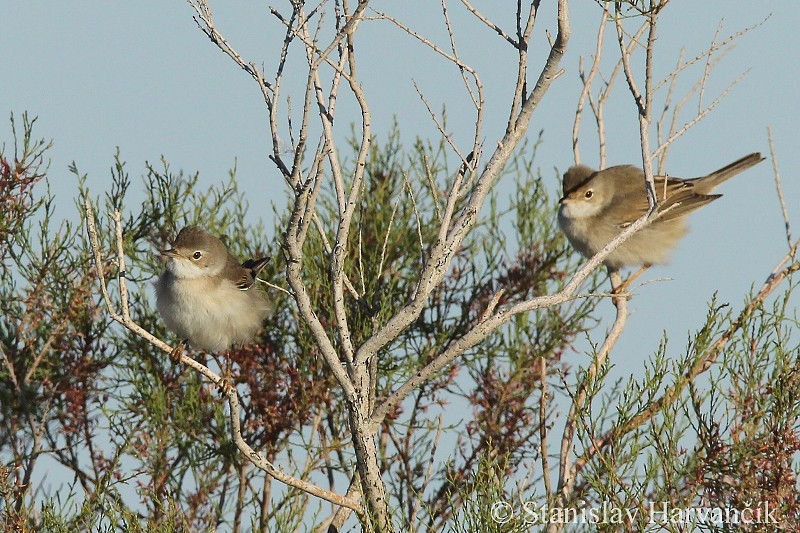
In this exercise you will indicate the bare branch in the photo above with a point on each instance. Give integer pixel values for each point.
(205, 21)
(453, 57)
(524, 32)
(429, 469)
(9, 368)
(587, 93)
(483, 329)
(494, 27)
(779, 191)
(643, 102)
(567, 475)
(700, 116)
(125, 318)
(544, 447)
(476, 99)
(455, 190)
(626, 64)
(451, 235)
(413, 200)
(379, 267)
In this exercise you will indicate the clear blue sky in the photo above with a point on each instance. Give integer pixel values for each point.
(141, 76)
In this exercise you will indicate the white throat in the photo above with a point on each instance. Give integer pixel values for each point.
(579, 210)
(183, 269)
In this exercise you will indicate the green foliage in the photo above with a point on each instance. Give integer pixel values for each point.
(728, 441)
(146, 444)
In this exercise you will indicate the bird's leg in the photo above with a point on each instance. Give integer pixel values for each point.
(177, 352)
(622, 288)
(225, 383)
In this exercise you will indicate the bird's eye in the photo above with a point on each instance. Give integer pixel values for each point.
(588, 194)
(197, 255)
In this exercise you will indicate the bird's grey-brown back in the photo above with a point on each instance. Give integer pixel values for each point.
(206, 296)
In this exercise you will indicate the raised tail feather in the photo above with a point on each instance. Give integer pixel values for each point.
(729, 171)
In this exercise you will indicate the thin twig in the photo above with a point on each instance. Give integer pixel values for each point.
(417, 216)
(544, 447)
(492, 305)
(9, 368)
(587, 81)
(382, 259)
(117, 317)
(697, 118)
(476, 99)
(429, 470)
(494, 27)
(779, 189)
(567, 476)
(273, 286)
(449, 138)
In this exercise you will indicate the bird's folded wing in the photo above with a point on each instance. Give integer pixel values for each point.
(675, 197)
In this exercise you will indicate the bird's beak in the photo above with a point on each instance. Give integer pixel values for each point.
(562, 201)
(168, 253)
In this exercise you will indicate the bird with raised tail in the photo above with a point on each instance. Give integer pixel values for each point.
(597, 205)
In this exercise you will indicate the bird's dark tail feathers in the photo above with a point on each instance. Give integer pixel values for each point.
(729, 171)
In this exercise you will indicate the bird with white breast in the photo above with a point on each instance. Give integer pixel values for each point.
(206, 296)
